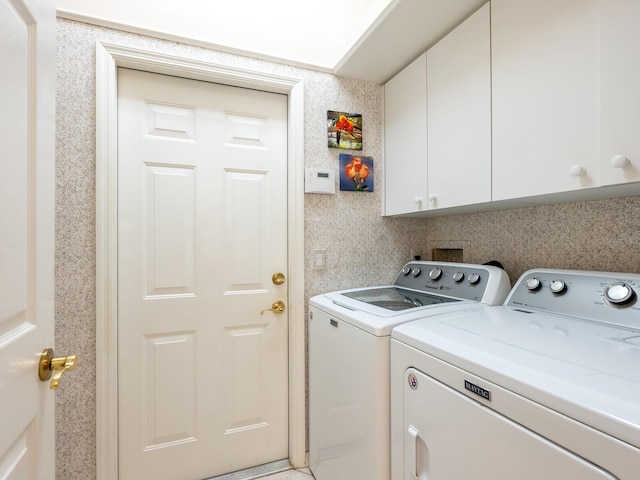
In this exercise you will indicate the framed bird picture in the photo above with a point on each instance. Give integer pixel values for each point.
(344, 130)
(356, 173)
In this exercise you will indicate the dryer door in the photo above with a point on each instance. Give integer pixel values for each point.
(449, 436)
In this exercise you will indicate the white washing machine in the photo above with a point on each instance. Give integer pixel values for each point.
(349, 335)
(546, 386)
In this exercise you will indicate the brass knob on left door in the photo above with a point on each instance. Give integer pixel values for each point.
(278, 278)
(51, 367)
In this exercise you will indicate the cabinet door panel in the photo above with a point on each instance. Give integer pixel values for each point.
(459, 115)
(620, 84)
(406, 139)
(545, 96)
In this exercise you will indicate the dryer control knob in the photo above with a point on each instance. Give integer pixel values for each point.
(474, 278)
(533, 283)
(619, 294)
(435, 274)
(406, 271)
(458, 277)
(416, 272)
(557, 286)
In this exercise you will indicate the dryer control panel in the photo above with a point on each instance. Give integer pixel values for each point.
(600, 296)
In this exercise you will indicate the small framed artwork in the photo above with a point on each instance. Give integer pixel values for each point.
(344, 130)
(356, 173)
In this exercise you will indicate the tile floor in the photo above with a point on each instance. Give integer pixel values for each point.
(304, 474)
(278, 470)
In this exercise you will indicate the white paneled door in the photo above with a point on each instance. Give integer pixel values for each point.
(27, 182)
(202, 230)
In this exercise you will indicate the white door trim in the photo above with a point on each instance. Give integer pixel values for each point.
(108, 59)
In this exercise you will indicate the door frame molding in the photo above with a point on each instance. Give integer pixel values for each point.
(108, 58)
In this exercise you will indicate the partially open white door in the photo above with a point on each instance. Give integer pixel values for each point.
(27, 140)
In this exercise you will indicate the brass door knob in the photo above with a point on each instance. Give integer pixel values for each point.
(53, 368)
(276, 307)
(278, 278)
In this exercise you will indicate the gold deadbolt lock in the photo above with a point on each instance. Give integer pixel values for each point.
(53, 368)
(277, 307)
(278, 278)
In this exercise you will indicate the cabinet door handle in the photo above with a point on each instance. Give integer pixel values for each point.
(577, 171)
(620, 161)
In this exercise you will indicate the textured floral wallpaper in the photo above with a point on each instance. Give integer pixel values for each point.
(362, 248)
(602, 235)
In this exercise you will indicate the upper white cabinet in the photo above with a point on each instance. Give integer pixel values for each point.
(405, 126)
(438, 124)
(620, 91)
(545, 88)
(526, 101)
(459, 115)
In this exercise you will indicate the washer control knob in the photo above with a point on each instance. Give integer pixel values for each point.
(557, 286)
(474, 278)
(458, 277)
(619, 293)
(435, 274)
(533, 283)
(416, 272)
(406, 270)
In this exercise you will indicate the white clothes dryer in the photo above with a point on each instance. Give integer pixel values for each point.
(546, 386)
(349, 334)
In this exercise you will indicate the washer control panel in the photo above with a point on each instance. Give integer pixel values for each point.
(599, 296)
(481, 283)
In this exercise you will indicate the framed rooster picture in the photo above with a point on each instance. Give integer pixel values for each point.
(356, 173)
(344, 130)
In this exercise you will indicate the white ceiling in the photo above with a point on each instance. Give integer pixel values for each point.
(367, 39)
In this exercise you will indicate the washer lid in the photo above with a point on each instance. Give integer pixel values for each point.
(585, 370)
(387, 300)
(375, 319)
